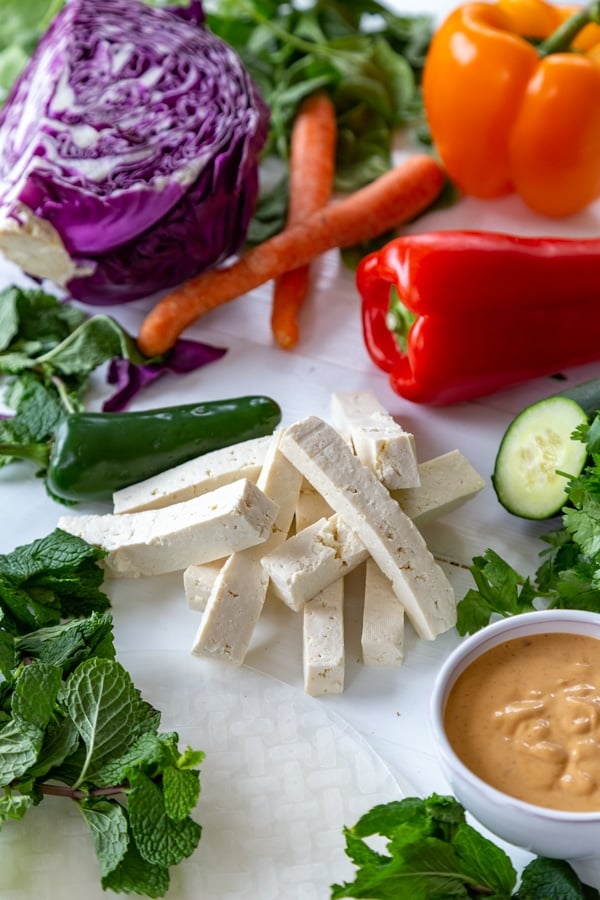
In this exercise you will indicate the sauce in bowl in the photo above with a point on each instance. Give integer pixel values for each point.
(525, 717)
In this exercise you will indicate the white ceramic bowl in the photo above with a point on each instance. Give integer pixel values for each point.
(574, 836)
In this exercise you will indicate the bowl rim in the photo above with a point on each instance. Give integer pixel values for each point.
(454, 665)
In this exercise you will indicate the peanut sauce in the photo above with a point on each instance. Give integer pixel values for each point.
(525, 718)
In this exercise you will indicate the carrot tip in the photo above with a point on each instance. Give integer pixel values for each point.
(286, 341)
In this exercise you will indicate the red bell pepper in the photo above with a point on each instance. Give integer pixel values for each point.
(490, 310)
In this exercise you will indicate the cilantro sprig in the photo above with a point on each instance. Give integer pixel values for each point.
(568, 576)
(73, 724)
(434, 854)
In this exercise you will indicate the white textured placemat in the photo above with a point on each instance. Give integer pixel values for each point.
(282, 776)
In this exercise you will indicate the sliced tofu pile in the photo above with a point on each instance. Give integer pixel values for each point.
(292, 515)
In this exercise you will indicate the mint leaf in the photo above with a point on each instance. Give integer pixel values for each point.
(150, 753)
(19, 748)
(483, 862)
(38, 409)
(8, 653)
(32, 321)
(13, 805)
(136, 875)
(160, 839)
(22, 610)
(430, 872)
(60, 741)
(181, 789)
(110, 832)
(107, 710)
(190, 758)
(59, 554)
(9, 318)
(68, 644)
(35, 695)
(552, 879)
(94, 342)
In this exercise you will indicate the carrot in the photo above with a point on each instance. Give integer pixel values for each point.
(312, 167)
(392, 199)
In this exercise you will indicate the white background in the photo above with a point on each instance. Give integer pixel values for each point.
(388, 708)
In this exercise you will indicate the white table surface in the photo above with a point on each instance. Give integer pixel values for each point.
(388, 707)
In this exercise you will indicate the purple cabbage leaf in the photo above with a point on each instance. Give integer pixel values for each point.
(131, 377)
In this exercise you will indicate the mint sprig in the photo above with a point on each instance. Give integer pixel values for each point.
(434, 854)
(73, 724)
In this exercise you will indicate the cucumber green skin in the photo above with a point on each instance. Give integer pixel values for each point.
(96, 454)
(586, 395)
(510, 477)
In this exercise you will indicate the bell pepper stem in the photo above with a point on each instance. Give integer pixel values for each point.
(561, 39)
(399, 319)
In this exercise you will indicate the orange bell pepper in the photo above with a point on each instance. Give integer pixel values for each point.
(512, 96)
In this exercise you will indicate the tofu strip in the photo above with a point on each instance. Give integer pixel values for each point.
(198, 582)
(377, 439)
(310, 507)
(323, 649)
(313, 559)
(382, 636)
(156, 541)
(238, 593)
(323, 655)
(198, 476)
(447, 481)
(392, 539)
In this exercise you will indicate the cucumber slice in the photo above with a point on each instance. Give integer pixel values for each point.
(536, 444)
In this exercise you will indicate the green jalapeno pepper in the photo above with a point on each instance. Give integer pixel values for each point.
(94, 454)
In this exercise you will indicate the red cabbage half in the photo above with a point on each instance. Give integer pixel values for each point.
(128, 151)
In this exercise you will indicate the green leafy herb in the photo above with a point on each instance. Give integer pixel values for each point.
(48, 350)
(434, 854)
(20, 28)
(368, 58)
(48, 580)
(73, 724)
(500, 589)
(568, 576)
